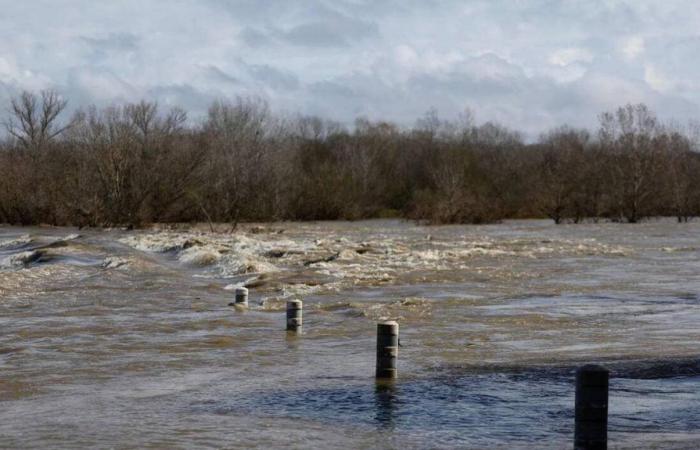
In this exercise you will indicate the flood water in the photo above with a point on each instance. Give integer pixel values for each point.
(125, 339)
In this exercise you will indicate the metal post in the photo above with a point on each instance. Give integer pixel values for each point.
(591, 429)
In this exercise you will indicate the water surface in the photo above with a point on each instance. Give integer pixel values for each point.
(124, 339)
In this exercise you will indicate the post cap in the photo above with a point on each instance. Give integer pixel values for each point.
(592, 368)
(388, 327)
(592, 375)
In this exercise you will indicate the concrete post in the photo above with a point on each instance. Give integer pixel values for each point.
(241, 296)
(387, 348)
(294, 315)
(591, 428)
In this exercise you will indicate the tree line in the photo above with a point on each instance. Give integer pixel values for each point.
(134, 164)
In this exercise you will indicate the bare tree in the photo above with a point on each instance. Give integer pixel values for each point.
(134, 164)
(239, 134)
(33, 121)
(681, 168)
(629, 136)
(562, 171)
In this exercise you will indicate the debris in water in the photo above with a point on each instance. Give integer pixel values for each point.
(330, 258)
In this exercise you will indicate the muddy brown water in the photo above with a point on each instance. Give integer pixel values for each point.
(124, 339)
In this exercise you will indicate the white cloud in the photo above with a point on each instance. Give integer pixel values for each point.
(531, 64)
(8, 70)
(656, 79)
(632, 47)
(567, 56)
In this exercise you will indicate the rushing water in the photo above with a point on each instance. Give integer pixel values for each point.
(125, 339)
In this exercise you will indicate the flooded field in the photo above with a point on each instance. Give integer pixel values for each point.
(125, 339)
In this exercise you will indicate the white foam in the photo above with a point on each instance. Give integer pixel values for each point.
(239, 264)
(20, 259)
(15, 242)
(112, 262)
(199, 256)
(155, 242)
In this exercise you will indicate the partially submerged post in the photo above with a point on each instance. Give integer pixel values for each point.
(241, 296)
(387, 348)
(591, 428)
(294, 315)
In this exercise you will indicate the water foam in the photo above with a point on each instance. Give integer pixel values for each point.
(20, 260)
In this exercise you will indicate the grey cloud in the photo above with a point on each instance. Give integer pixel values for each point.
(255, 38)
(339, 88)
(103, 48)
(113, 41)
(193, 100)
(88, 85)
(219, 75)
(275, 78)
(334, 30)
(531, 64)
(507, 96)
(315, 35)
(323, 27)
(255, 10)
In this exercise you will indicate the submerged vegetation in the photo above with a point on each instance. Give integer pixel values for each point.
(135, 164)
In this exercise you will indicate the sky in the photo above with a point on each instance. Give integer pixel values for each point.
(528, 64)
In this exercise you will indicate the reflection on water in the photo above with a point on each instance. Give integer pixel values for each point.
(525, 407)
(125, 339)
(386, 398)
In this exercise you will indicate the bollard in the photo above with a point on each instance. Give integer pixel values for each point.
(591, 428)
(294, 315)
(387, 348)
(241, 296)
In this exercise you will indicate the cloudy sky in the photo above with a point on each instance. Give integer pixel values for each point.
(530, 64)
